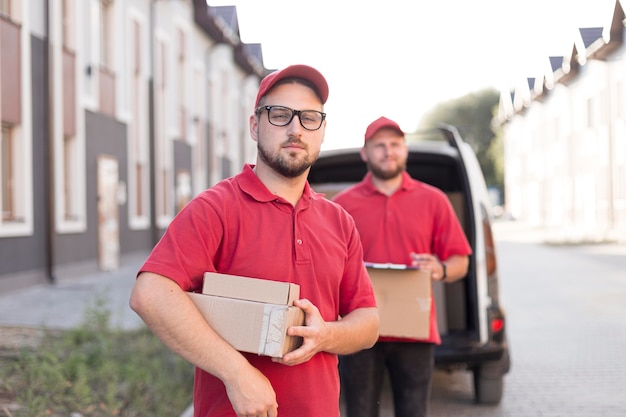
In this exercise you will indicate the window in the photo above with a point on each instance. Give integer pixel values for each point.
(7, 175)
(198, 135)
(15, 183)
(164, 198)
(106, 76)
(16, 187)
(106, 34)
(5, 8)
(135, 136)
(70, 177)
(68, 130)
(67, 25)
(183, 189)
(138, 156)
(181, 98)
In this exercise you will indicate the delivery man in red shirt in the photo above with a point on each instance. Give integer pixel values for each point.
(267, 223)
(401, 221)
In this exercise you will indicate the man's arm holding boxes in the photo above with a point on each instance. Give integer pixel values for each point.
(173, 317)
(353, 332)
(248, 313)
(245, 313)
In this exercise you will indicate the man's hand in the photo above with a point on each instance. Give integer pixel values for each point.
(314, 334)
(251, 394)
(456, 266)
(430, 263)
(355, 331)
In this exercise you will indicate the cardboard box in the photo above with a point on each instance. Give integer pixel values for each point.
(255, 326)
(251, 289)
(404, 298)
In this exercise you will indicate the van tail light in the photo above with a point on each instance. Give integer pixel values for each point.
(497, 325)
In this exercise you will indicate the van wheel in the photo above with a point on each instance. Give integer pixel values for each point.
(488, 383)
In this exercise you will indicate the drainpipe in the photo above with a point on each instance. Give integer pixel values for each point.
(154, 232)
(48, 159)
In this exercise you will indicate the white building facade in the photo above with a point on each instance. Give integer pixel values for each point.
(565, 140)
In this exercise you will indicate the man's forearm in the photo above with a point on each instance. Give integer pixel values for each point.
(356, 331)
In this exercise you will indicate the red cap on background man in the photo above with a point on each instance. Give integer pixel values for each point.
(303, 72)
(382, 123)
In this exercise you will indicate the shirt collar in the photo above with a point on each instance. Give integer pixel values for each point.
(252, 185)
(407, 182)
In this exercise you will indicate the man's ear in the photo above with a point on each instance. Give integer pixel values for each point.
(363, 154)
(254, 128)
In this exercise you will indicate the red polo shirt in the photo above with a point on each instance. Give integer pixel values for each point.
(416, 218)
(238, 227)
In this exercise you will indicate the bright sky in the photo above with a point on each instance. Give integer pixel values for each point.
(400, 58)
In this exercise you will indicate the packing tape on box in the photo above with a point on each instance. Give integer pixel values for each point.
(272, 332)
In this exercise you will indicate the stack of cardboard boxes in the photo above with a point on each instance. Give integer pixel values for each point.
(251, 314)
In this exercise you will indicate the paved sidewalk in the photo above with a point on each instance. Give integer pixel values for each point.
(63, 305)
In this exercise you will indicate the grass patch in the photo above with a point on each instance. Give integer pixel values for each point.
(97, 371)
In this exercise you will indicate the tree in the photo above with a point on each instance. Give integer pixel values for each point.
(473, 116)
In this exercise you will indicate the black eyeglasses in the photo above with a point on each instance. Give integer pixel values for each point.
(282, 116)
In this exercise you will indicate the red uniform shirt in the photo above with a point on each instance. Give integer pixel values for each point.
(416, 218)
(238, 227)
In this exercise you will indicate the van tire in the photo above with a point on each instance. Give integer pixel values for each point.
(488, 383)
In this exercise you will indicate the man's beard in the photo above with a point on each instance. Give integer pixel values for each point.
(386, 174)
(285, 165)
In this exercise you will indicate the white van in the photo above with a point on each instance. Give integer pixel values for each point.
(469, 314)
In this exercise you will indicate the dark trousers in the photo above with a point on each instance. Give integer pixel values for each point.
(410, 368)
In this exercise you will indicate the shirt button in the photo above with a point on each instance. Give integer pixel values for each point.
(299, 241)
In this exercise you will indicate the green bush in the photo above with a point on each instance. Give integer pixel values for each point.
(97, 371)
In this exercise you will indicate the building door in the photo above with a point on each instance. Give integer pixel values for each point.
(108, 214)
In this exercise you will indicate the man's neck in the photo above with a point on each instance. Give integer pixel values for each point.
(290, 189)
(387, 187)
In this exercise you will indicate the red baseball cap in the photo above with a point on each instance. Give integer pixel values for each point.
(304, 72)
(381, 123)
